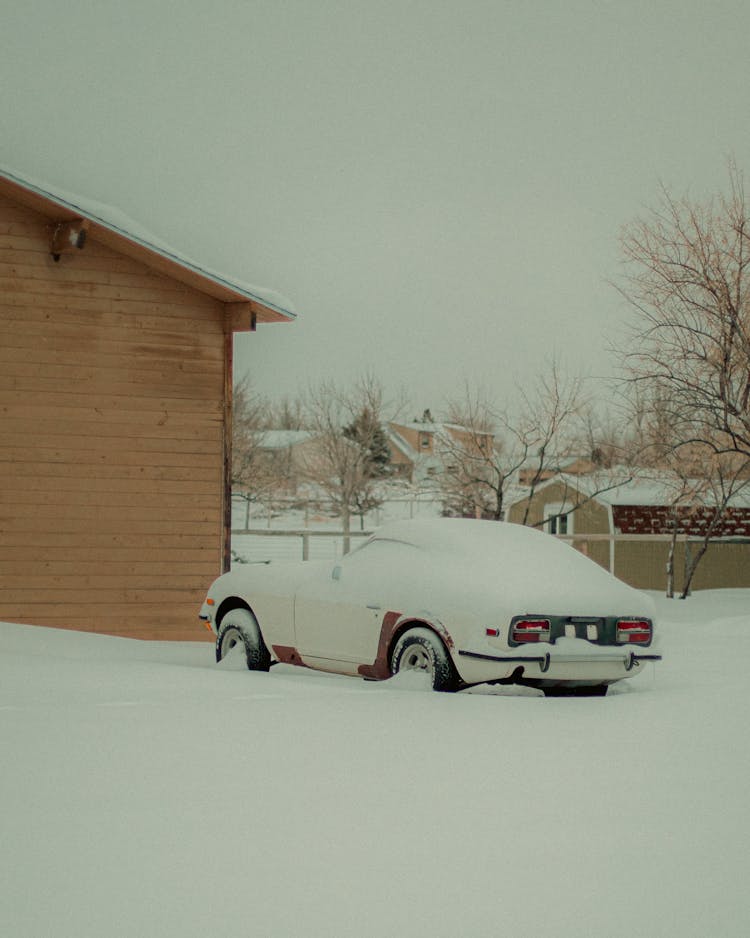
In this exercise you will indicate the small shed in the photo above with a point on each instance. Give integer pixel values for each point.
(115, 419)
(626, 528)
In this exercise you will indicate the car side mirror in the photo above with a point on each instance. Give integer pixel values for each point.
(336, 575)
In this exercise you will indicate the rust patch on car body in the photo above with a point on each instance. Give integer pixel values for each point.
(380, 669)
(444, 634)
(286, 654)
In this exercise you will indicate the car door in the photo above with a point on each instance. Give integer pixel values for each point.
(337, 617)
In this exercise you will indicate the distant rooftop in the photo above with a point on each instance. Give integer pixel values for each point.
(650, 490)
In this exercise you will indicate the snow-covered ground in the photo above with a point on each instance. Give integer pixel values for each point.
(146, 791)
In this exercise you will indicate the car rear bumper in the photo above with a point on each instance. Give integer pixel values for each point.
(548, 660)
(567, 660)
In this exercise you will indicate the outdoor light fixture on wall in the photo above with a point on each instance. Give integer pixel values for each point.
(68, 236)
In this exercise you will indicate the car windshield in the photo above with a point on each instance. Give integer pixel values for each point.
(377, 546)
(378, 539)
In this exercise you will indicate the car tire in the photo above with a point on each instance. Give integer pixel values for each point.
(240, 626)
(419, 649)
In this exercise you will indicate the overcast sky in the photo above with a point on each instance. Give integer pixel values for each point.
(436, 186)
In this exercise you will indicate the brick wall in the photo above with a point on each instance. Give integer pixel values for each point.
(658, 519)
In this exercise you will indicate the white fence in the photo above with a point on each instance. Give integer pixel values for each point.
(290, 532)
(262, 545)
(258, 545)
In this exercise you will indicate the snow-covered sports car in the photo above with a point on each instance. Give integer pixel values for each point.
(468, 602)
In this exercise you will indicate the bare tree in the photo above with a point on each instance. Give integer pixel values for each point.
(700, 482)
(488, 447)
(288, 414)
(253, 476)
(682, 494)
(688, 280)
(478, 464)
(650, 434)
(620, 430)
(549, 425)
(366, 431)
(702, 497)
(345, 423)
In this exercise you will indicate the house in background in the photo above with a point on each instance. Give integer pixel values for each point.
(285, 454)
(421, 449)
(641, 511)
(115, 440)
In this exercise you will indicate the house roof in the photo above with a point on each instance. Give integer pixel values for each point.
(425, 427)
(425, 460)
(112, 227)
(462, 429)
(401, 444)
(568, 463)
(437, 427)
(652, 490)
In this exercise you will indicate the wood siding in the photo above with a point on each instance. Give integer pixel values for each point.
(112, 406)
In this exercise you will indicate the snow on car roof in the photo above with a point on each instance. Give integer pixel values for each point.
(464, 535)
(531, 568)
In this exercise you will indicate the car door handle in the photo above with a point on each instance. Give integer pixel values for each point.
(373, 606)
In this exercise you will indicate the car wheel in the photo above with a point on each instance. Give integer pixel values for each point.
(239, 626)
(421, 650)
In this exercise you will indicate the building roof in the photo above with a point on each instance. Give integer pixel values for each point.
(569, 463)
(470, 430)
(425, 427)
(652, 490)
(437, 426)
(109, 225)
(400, 443)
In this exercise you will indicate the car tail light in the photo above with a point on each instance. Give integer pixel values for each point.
(530, 630)
(633, 631)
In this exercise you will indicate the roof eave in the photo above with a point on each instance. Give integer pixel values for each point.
(160, 258)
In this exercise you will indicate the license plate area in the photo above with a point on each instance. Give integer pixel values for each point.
(589, 629)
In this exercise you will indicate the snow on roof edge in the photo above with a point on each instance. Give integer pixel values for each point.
(127, 228)
(402, 444)
(639, 490)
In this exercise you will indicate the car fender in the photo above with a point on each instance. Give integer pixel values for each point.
(392, 626)
(273, 611)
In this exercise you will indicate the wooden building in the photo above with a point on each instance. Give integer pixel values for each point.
(115, 421)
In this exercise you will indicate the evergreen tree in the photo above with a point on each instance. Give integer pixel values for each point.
(368, 433)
